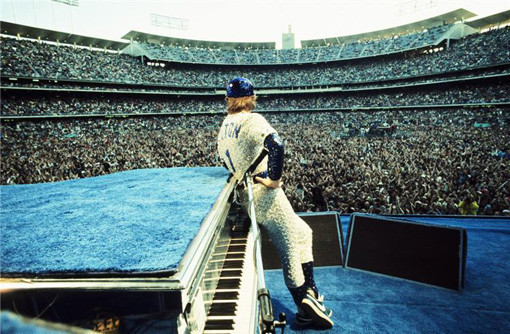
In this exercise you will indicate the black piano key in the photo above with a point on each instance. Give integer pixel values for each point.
(223, 309)
(233, 264)
(236, 248)
(233, 295)
(228, 305)
(229, 283)
(238, 241)
(222, 313)
(235, 256)
(219, 324)
(231, 273)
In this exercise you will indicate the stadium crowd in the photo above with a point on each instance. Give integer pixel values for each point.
(425, 161)
(196, 54)
(440, 157)
(26, 58)
(64, 104)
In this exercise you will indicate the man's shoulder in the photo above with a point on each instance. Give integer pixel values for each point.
(258, 120)
(242, 117)
(257, 115)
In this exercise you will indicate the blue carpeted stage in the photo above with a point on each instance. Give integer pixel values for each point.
(134, 222)
(367, 303)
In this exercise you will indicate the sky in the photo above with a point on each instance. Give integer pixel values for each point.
(238, 21)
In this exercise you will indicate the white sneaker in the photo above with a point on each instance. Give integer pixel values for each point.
(303, 320)
(315, 309)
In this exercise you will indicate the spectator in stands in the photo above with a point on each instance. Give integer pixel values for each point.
(468, 206)
(318, 201)
(485, 201)
(377, 207)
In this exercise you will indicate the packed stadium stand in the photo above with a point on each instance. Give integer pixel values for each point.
(22, 58)
(427, 37)
(71, 111)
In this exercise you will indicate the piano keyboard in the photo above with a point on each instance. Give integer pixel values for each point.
(233, 305)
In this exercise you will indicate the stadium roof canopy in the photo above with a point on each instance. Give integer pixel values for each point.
(490, 20)
(456, 15)
(15, 29)
(157, 39)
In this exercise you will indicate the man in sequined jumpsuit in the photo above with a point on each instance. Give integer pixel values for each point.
(242, 137)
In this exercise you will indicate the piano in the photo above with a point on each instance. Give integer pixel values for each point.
(214, 290)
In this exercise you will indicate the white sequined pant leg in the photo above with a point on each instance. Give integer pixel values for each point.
(290, 234)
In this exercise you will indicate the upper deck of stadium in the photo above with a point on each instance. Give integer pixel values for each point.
(425, 33)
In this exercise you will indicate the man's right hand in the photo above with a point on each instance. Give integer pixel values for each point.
(269, 183)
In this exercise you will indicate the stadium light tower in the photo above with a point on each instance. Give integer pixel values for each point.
(409, 7)
(168, 22)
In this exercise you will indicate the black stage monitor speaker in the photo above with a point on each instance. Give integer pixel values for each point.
(327, 241)
(419, 252)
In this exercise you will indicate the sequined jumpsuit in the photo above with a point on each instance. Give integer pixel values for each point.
(240, 141)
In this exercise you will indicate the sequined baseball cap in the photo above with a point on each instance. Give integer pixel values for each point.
(239, 87)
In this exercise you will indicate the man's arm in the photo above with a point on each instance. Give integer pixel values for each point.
(275, 157)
